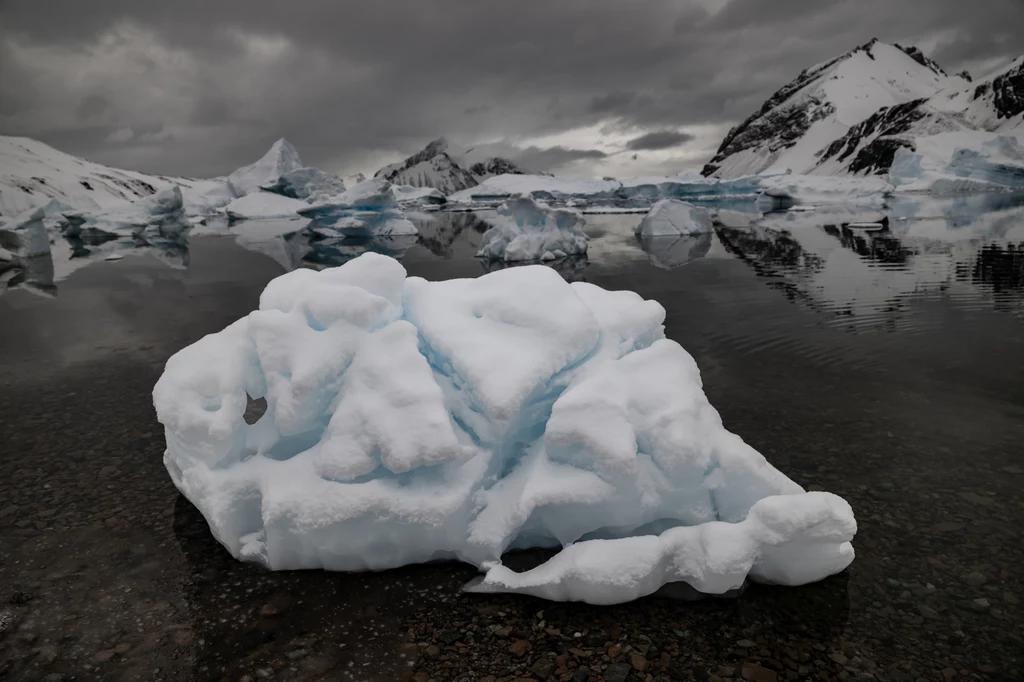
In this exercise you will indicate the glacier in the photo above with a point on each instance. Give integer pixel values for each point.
(963, 161)
(526, 230)
(409, 421)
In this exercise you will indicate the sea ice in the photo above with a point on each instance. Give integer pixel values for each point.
(410, 420)
(526, 230)
(673, 218)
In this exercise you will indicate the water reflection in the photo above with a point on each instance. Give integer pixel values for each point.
(571, 268)
(669, 253)
(866, 271)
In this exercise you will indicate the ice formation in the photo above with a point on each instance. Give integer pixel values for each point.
(410, 420)
(264, 205)
(673, 218)
(960, 162)
(164, 210)
(309, 184)
(282, 158)
(366, 209)
(525, 230)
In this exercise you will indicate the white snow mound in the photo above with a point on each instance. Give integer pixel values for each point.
(526, 230)
(673, 218)
(410, 420)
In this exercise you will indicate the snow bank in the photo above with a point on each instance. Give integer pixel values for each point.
(672, 218)
(309, 184)
(960, 162)
(264, 205)
(526, 230)
(282, 158)
(410, 420)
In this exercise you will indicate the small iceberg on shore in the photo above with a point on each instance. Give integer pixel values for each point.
(409, 421)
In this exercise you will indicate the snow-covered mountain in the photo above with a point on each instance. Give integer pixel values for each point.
(32, 173)
(851, 114)
(443, 167)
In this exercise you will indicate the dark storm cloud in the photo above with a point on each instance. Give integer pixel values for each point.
(659, 139)
(541, 159)
(348, 81)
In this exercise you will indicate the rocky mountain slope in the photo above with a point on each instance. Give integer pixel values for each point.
(852, 114)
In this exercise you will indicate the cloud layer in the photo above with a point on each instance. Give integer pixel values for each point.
(576, 86)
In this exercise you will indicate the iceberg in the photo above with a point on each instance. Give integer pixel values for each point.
(963, 161)
(673, 218)
(309, 184)
(163, 211)
(421, 197)
(364, 210)
(526, 230)
(263, 205)
(409, 421)
(282, 158)
(501, 187)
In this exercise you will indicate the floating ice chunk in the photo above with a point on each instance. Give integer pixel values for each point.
(410, 420)
(372, 194)
(206, 201)
(672, 218)
(282, 158)
(264, 205)
(309, 184)
(526, 230)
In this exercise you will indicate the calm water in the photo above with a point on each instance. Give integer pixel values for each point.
(884, 363)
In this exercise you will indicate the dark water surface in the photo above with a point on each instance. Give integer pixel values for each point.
(885, 365)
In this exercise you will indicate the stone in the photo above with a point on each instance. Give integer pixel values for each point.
(746, 644)
(269, 611)
(432, 651)
(637, 660)
(503, 631)
(101, 657)
(928, 612)
(949, 674)
(616, 672)
(975, 579)
(297, 654)
(581, 675)
(613, 651)
(756, 673)
(519, 648)
(543, 668)
(122, 648)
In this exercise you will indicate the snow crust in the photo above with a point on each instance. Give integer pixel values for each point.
(526, 230)
(673, 218)
(410, 420)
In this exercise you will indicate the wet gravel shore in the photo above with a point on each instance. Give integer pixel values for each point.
(106, 573)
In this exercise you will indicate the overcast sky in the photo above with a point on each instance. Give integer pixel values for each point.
(582, 87)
